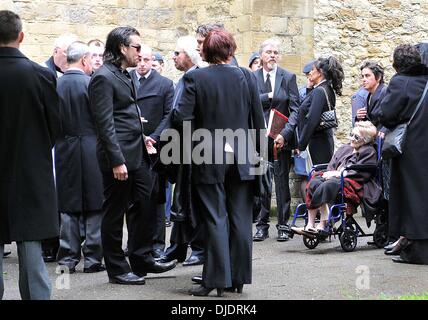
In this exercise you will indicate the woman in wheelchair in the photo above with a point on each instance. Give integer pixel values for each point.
(324, 187)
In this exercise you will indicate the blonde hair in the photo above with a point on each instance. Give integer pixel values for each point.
(367, 130)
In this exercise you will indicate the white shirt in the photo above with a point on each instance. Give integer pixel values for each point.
(272, 75)
(145, 76)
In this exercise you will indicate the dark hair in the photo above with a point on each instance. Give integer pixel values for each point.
(332, 71)
(405, 57)
(375, 67)
(10, 26)
(423, 50)
(219, 46)
(115, 39)
(204, 29)
(96, 42)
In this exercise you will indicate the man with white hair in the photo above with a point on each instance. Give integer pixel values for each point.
(154, 97)
(75, 156)
(57, 63)
(186, 58)
(277, 89)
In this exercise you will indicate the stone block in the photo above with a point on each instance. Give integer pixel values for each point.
(291, 63)
(267, 7)
(298, 8)
(243, 23)
(276, 25)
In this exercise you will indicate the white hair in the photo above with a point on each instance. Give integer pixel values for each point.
(189, 46)
(76, 51)
(146, 49)
(269, 42)
(64, 40)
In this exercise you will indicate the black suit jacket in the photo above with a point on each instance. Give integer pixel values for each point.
(78, 176)
(154, 97)
(113, 103)
(285, 99)
(29, 125)
(220, 97)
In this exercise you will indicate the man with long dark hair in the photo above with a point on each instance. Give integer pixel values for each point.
(122, 151)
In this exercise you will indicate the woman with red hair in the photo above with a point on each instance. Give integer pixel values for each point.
(222, 97)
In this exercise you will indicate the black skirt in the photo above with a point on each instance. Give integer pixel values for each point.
(320, 191)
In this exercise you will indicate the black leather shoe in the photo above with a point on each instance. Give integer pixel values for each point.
(282, 236)
(396, 250)
(197, 279)
(95, 268)
(238, 288)
(260, 235)
(48, 256)
(157, 253)
(201, 291)
(6, 253)
(193, 261)
(400, 260)
(127, 278)
(158, 267)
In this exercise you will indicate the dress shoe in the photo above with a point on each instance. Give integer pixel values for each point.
(401, 260)
(238, 288)
(48, 256)
(157, 253)
(95, 268)
(260, 235)
(193, 261)
(396, 250)
(197, 279)
(158, 267)
(6, 253)
(127, 278)
(282, 236)
(201, 291)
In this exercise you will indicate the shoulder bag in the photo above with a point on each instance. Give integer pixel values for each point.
(328, 118)
(395, 140)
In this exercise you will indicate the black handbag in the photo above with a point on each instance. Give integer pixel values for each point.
(395, 140)
(328, 119)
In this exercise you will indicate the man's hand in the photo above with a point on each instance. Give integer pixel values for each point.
(149, 145)
(120, 172)
(361, 113)
(279, 141)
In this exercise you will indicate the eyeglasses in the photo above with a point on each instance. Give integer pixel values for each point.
(136, 46)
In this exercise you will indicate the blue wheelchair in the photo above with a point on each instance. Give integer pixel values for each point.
(348, 230)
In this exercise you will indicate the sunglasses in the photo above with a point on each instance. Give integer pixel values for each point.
(355, 137)
(136, 46)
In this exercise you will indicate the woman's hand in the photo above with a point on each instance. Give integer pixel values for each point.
(297, 151)
(149, 142)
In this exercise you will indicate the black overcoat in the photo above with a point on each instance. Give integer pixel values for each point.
(78, 176)
(409, 173)
(29, 124)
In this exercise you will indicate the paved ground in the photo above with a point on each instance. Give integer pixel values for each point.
(286, 270)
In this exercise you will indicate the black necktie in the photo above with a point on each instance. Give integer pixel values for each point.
(142, 80)
(268, 85)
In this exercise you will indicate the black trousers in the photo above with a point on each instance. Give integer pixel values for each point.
(136, 192)
(226, 210)
(283, 201)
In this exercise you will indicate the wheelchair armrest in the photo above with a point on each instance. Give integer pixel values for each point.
(362, 167)
(319, 167)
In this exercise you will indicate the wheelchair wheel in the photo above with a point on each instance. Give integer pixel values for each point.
(348, 240)
(380, 236)
(310, 243)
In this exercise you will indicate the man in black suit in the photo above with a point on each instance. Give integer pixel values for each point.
(78, 176)
(154, 97)
(277, 89)
(29, 125)
(122, 151)
(57, 64)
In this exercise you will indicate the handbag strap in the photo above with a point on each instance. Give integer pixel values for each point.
(419, 103)
(326, 96)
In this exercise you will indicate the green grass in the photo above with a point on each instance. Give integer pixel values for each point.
(413, 296)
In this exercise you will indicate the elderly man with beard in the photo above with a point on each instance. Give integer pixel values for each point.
(277, 89)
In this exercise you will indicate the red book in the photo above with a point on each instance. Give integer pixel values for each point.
(276, 123)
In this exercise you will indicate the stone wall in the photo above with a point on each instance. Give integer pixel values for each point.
(160, 22)
(365, 29)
